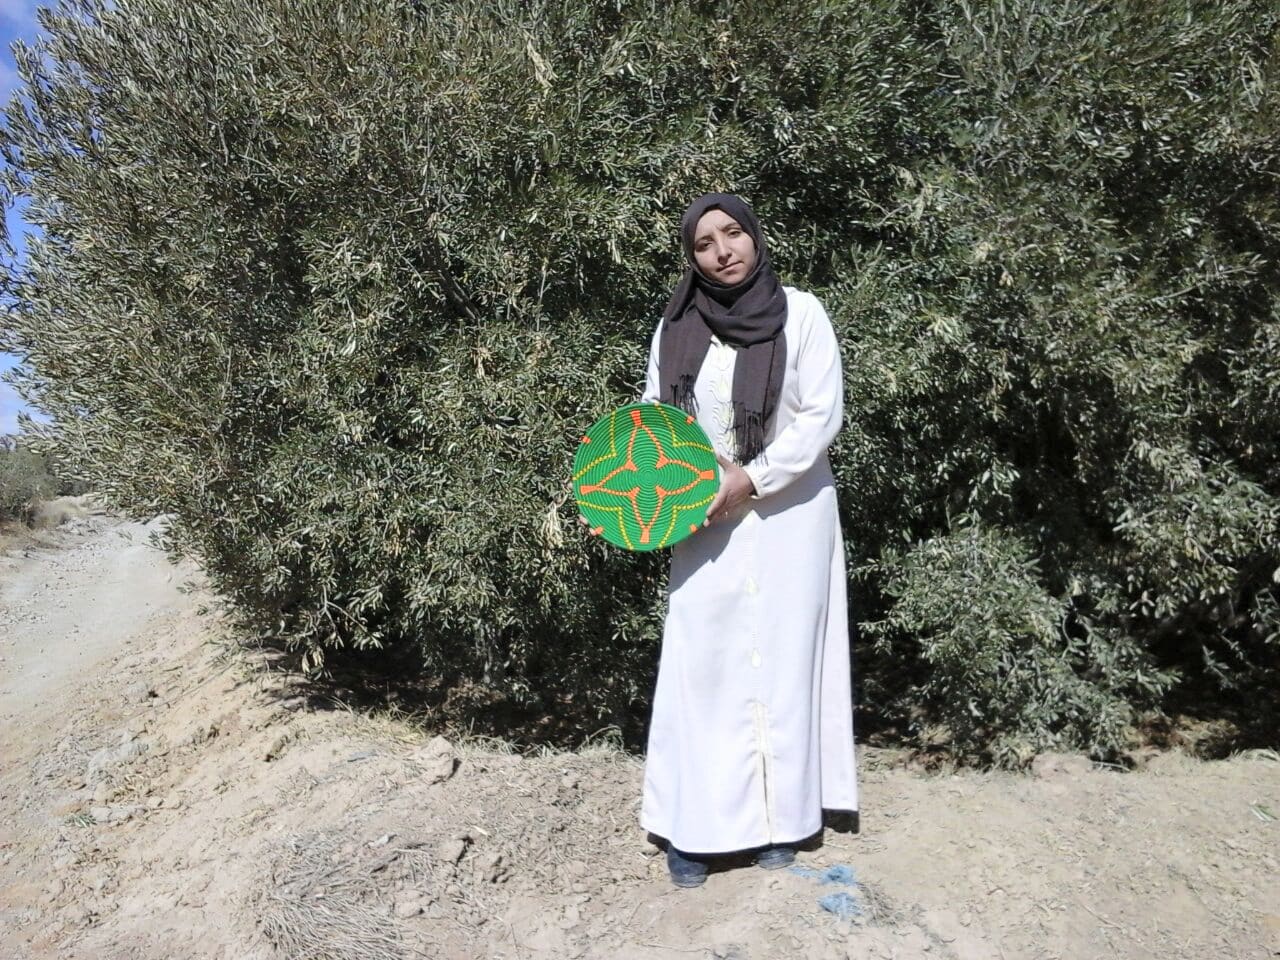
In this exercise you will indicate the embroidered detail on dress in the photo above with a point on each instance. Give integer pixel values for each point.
(722, 358)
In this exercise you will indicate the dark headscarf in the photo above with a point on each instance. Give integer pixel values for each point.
(750, 316)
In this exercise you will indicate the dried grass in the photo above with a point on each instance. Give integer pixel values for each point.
(14, 536)
(543, 821)
(319, 909)
(880, 910)
(1258, 754)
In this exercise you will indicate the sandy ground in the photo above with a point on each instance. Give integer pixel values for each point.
(163, 796)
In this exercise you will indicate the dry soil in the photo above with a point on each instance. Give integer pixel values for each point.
(163, 795)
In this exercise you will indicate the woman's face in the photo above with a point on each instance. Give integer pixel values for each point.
(722, 250)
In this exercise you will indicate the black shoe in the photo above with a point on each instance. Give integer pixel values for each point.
(684, 871)
(776, 857)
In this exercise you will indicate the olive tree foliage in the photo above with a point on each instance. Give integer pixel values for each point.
(25, 479)
(1075, 429)
(339, 284)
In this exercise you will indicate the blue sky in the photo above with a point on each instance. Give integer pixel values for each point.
(17, 22)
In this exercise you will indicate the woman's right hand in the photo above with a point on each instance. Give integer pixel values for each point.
(736, 488)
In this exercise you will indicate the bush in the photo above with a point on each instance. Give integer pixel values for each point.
(24, 479)
(1077, 366)
(339, 284)
(1011, 668)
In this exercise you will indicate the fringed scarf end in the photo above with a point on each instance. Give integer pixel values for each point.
(748, 431)
(683, 396)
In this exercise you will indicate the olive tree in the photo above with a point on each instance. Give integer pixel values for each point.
(339, 284)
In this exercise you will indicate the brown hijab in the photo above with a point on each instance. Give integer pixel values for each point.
(750, 316)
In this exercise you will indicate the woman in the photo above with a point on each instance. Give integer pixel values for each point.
(752, 732)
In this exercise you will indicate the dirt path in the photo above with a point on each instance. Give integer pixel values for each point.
(163, 798)
(63, 612)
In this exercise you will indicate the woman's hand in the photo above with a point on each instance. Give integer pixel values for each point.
(736, 489)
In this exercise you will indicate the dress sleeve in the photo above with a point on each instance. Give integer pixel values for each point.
(820, 384)
(652, 387)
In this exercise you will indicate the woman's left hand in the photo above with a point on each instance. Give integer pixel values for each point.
(736, 489)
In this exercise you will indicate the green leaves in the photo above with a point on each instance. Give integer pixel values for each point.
(339, 285)
(25, 479)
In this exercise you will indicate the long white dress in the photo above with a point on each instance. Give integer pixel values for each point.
(752, 732)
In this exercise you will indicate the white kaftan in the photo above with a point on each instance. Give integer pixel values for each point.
(752, 732)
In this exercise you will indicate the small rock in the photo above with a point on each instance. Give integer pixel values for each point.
(1140, 758)
(1049, 766)
(123, 813)
(437, 759)
(77, 914)
(129, 748)
(201, 735)
(409, 907)
(440, 770)
(276, 748)
(451, 851)
(489, 867)
(435, 746)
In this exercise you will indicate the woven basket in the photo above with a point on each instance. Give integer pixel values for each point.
(644, 476)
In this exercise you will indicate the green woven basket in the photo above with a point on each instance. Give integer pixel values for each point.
(644, 476)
